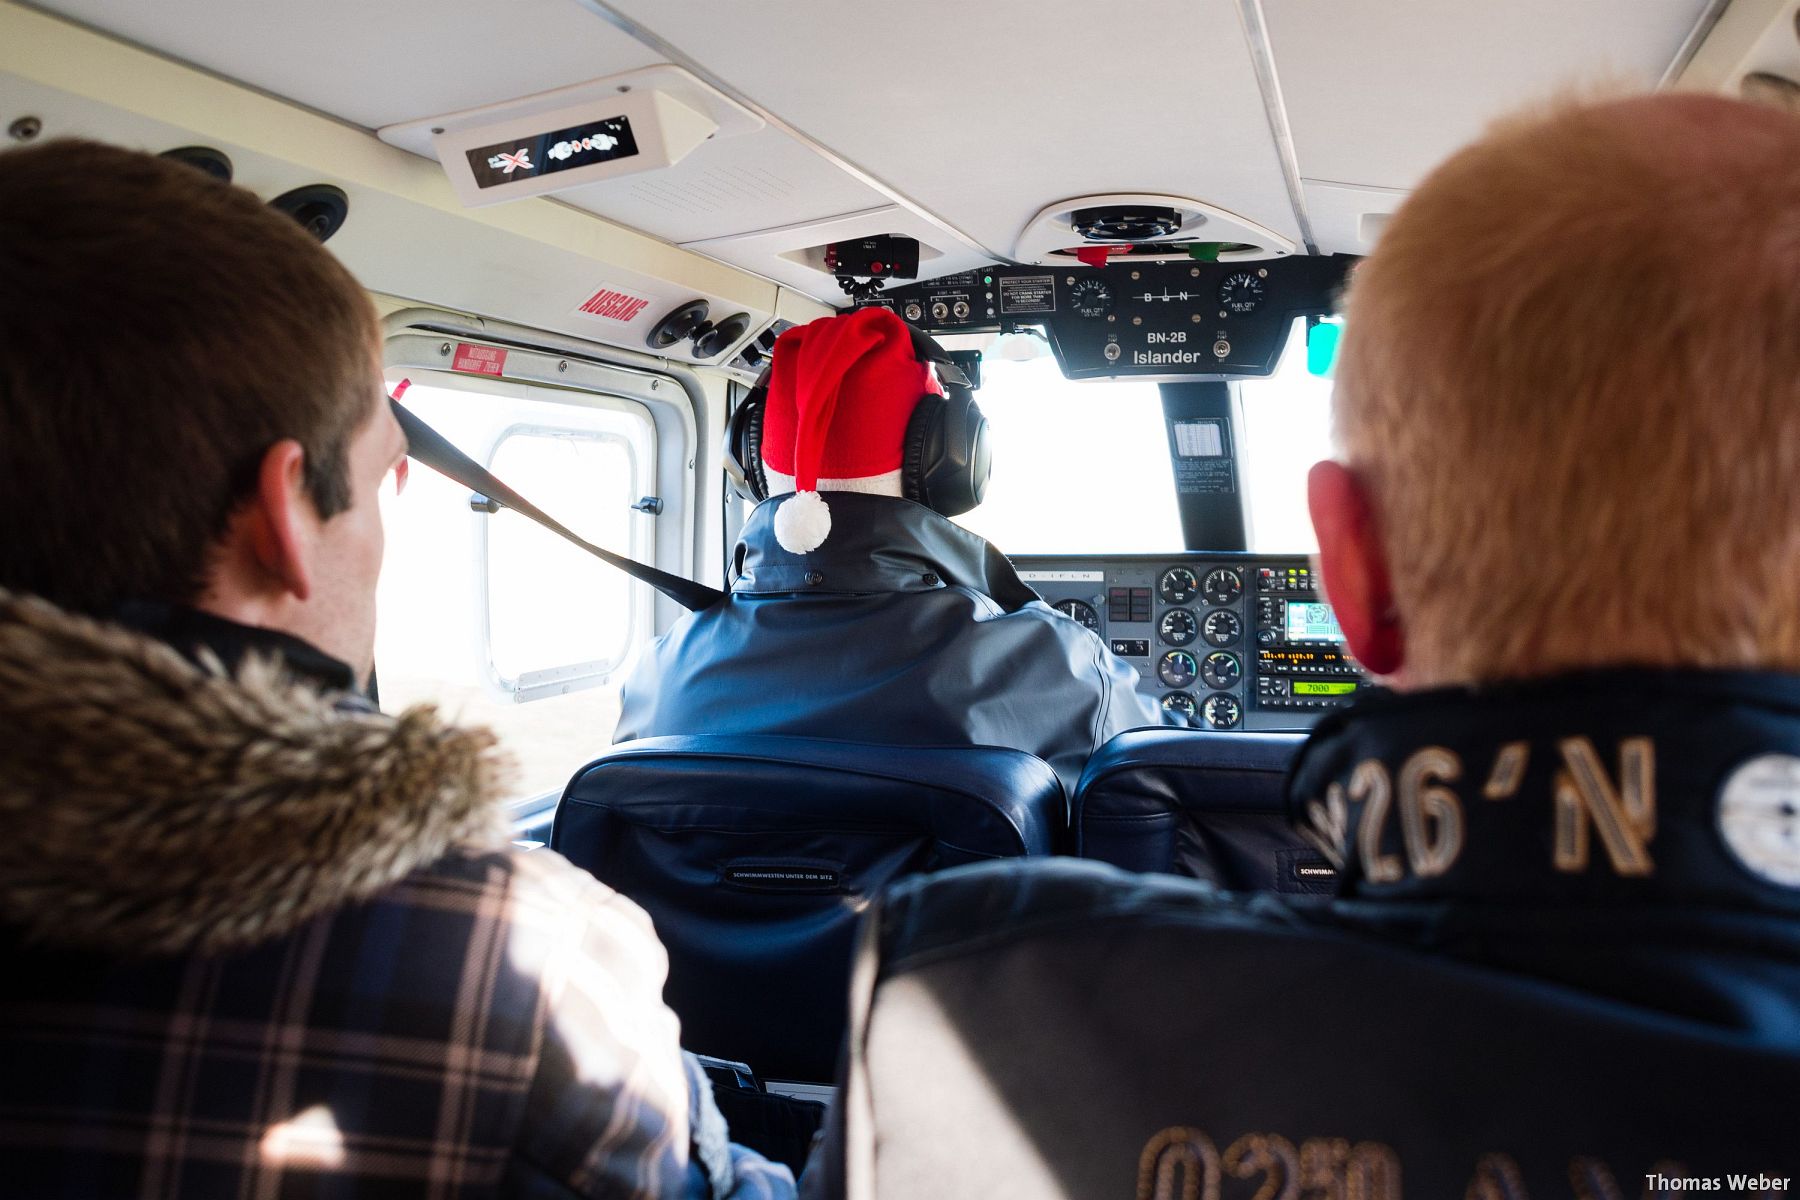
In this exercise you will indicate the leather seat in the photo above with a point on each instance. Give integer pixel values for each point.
(756, 855)
(1197, 803)
(1065, 1029)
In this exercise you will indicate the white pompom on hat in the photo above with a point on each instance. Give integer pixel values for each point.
(802, 522)
(841, 391)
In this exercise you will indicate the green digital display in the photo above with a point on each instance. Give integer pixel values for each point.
(1309, 687)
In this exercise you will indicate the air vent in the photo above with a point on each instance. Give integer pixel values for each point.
(1144, 228)
(1776, 91)
(320, 208)
(203, 158)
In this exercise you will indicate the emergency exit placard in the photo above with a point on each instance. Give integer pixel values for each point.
(479, 360)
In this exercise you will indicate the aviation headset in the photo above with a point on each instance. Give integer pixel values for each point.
(946, 460)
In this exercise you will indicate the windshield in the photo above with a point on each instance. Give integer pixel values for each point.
(1287, 428)
(1077, 466)
(1083, 468)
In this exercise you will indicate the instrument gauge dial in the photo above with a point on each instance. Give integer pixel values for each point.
(1222, 712)
(1178, 627)
(1177, 669)
(1091, 298)
(1223, 586)
(1178, 585)
(1241, 293)
(1221, 670)
(1180, 702)
(1222, 627)
(1080, 612)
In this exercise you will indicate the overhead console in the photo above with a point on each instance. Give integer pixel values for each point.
(1135, 320)
(1234, 641)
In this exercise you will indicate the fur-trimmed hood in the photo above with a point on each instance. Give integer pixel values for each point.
(152, 805)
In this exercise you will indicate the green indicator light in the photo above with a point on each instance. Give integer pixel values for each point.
(1322, 346)
(1203, 251)
(1307, 687)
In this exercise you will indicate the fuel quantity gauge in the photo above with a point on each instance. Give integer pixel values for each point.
(1241, 294)
(1091, 298)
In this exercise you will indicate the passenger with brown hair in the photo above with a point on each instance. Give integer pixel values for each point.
(254, 935)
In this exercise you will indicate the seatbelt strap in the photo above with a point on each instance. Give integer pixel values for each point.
(432, 448)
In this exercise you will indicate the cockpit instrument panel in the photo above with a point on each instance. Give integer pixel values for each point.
(1229, 641)
(1138, 320)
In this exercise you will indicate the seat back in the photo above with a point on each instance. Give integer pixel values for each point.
(755, 856)
(1064, 1029)
(1197, 803)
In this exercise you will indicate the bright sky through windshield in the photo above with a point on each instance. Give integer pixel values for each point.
(1083, 468)
(1078, 467)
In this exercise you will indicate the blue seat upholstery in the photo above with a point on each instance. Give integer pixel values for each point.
(1197, 803)
(755, 856)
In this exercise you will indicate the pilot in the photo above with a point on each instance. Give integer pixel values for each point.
(254, 935)
(859, 611)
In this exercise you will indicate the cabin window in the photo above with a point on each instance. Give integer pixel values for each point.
(557, 617)
(495, 619)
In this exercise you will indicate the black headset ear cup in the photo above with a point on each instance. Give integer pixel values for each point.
(753, 460)
(981, 455)
(743, 447)
(947, 460)
(924, 425)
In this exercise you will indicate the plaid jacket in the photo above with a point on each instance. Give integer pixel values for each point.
(255, 945)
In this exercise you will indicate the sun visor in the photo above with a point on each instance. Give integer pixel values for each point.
(623, 125)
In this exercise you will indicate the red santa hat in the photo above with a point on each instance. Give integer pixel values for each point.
(841, 391)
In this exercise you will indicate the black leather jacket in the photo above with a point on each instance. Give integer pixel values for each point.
(1565, 960)
(903, 628)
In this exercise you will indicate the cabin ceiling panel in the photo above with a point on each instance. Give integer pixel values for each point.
(1751, 35)
(916, 96)
(376, 64)
(1348, 220)
(1379, 91)
(729, 186)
